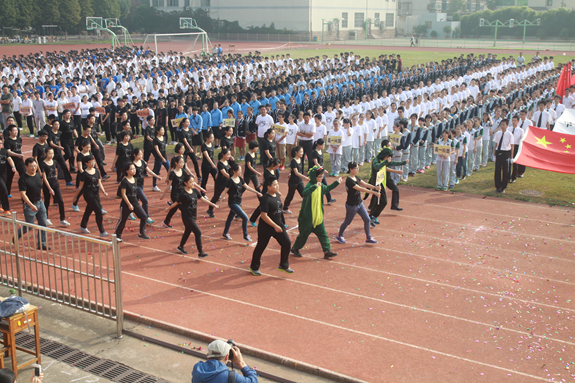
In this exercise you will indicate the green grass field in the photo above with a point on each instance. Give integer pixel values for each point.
(409, 57)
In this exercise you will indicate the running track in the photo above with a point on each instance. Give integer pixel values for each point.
(460, 287)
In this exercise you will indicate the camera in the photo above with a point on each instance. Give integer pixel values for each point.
(232, 345)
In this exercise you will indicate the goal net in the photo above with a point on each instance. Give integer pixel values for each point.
(187, 43)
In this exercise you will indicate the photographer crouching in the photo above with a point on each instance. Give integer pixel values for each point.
(215, 369)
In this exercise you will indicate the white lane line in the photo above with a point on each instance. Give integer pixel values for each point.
(349, 330)
(371, 298)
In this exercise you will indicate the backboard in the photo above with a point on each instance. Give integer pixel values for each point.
(93, 23)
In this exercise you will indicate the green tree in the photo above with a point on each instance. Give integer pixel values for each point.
(124, 8)
(456, 32)
(456, 6)
(456, 16)
(492, 4)
(48, 13)
(8, 13)
(420, 30)
(26, 11)
(69, 14)
(107, 8)
(86, 10)
(447, 30)
(434, 34)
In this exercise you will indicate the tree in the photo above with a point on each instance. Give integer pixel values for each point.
(456, 32)
(420, 30)
(124, 8)
(492, 4)
(86, 10)
(48, 13)
(107, 8)
(456, 16)
(447, 30)
(25, 13)
(69, 14)
(456, 5)
(434, 34)
(8, 14)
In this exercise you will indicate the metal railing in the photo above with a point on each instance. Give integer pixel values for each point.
(71, 269)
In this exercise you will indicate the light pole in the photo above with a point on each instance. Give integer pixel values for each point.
(511, 23)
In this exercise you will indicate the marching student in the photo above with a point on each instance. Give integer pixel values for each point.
(6, 165)
(479, 133)
(160, 158)
(51, 186)
(270, 172)
(502, 152)
(370, 130)
(221, 180)
(175, 186)
(235, 188)
(13, 146)
(129, 203)
(443, 163)
(90, 186)
(124, 150)
(354, 205)
(486, 125)
(335, 151)
(250, 172)
(317, 157)
(453, 159)
(188, 205)
(346, 145)
(295, 180)
(209, 167)
(272, 224)
(405, 149)
(141, 169)
(187, 136)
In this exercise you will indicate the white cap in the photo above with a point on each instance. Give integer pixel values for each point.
(218, 349)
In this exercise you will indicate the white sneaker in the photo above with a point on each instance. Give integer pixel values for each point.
(48, 222)
(64, 223)
(104, 212)
(104, 234)
(31, 136)
(156, 189)
(75, 208)
(84, 230)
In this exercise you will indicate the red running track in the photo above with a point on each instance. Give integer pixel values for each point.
(460, 287)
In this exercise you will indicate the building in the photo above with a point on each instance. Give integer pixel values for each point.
(339, 19)
(433, 21)
(420, 7)
(545, 5)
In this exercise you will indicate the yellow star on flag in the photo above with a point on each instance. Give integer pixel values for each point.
(568, 146)
(562, 140)
(567, 151)
(543, 141)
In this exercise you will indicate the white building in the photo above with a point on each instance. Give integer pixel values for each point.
(301, 15)
(544, 5)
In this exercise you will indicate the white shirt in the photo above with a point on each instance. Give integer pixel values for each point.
(346, 139)
(264, 123)
(333, 133)
(508, 140)
(546, 118)
(76, 100)
(320, 132)
(517, 134)
(307, 128)
(282, 142)
(291, 135)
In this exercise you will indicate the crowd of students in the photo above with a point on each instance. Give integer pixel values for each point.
(260, 115)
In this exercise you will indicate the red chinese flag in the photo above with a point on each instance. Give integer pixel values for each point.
(547, 150)
(564, 80)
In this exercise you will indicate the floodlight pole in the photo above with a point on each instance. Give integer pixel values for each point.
(527, 23)
(511, 23)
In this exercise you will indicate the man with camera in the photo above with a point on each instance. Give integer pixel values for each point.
(215, 370)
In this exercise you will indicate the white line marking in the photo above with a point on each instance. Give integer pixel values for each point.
(371, 298)
(350, 330)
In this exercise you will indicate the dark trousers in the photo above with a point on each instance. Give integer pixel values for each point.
(4, 194)
(147, 154)
(206, 173)
(93, 206)
(20, 168)
(125, 212)
(18, 118)
(263, 156)
(254, 180)
(57, 199)
(502, 169)
(69, 154)
(328, 194)
(30, 123)
(307, 149)
(291, 193)
(171, 212)
(218, 190)
(191, 227)
(107, 130)
(78, 124)
(192, 156)
(265, 233)
(62, 163)
(461, 167)
(377, 205)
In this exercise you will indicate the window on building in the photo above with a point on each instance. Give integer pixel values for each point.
(186, 3)
(206, 3)
(158, 3)
(344, 19)
(428, 24)
(359, 20)
(389, 19)
(549, 3)
(173, 3)
(376, 16)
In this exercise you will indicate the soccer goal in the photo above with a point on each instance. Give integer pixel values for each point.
(187, 43)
